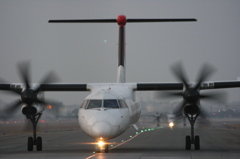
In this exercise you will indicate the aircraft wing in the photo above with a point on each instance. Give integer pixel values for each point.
(138, 86)
(179, 86)
(64, 87)
(158, 86)
(5, 86)
(220, 85)
(47, 87)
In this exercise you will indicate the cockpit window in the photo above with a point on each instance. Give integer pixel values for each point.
(94, 104)
(111, 103)
(84, 104)
(122, 103)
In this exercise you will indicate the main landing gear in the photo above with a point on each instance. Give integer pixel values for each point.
(34, 141)
(195, 140)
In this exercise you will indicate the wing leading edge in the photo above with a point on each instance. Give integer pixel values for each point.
(179, 86)
(138, 86)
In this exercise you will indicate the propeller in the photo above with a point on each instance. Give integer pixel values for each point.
(191, 93)
(29, 94)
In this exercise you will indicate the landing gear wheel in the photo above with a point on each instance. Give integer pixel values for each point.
(34, 140)
(30, 144)
(192, 140)
(39, 144)
(106, 148)
(197, 143)
(188, 143)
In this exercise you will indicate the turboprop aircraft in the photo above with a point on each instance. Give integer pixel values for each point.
(111, 108)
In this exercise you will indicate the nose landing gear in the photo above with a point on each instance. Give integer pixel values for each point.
(34, 140)
(195, 140)
(106, 148)
(102, 147)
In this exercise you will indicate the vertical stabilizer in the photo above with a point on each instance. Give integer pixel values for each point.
(121, 74)
(121, 20)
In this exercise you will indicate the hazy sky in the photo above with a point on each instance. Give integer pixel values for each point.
(86, 53)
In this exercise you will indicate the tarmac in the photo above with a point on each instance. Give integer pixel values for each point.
(66, 140)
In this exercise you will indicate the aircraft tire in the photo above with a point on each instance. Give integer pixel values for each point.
(188, 143)
(106, 148)
(30, 144)
(197, 143)
(39, 143)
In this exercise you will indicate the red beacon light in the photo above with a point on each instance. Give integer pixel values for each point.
(121, 20)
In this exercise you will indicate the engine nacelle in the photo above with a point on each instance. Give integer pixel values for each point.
(32, 110)
(191, 109)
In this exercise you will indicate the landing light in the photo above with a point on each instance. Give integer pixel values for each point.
(171, 125)
(100, 143)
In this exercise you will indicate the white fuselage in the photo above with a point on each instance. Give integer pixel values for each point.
(109, 110)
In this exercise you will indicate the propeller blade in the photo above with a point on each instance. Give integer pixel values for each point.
(205, 73)
(11, 108)
(41, 101)
(204, 115)
(51, 77)
(178, 110)
(220, 97)
(24, 73)
(46, 101)
(179, 73)
(159, 95)
(13, 92)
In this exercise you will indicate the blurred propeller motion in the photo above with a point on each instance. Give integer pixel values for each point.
(29, 94)
(191, 92)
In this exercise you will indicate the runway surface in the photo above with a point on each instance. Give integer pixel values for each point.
(67, 141)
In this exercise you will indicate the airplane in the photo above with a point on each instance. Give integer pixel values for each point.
(171, 119)
(157, 116)
(111, 108)
(170, 116)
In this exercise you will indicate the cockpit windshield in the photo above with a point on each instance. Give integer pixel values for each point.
(111, 103)
(106, 103)
(94, 104)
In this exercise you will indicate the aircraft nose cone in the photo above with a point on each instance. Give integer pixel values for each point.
(101, 129)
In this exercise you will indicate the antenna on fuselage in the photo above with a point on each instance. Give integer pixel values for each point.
(121, 21)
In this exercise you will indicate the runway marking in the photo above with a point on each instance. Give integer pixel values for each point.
(118, 144)
(125, 141)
